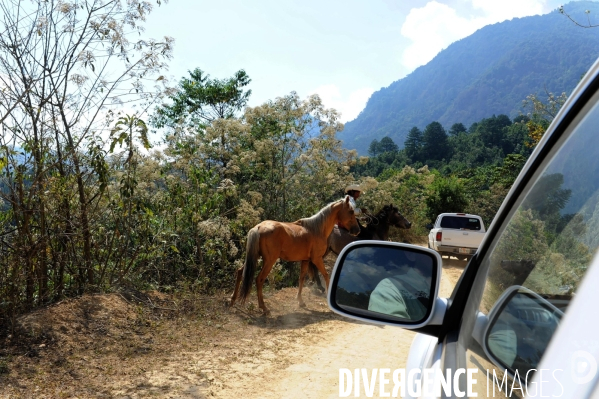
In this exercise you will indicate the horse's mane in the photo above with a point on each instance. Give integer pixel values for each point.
(315, 222)
(383, 212)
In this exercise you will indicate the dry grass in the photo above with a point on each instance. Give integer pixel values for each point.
(135, 345)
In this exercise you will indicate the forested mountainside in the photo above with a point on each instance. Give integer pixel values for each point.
(490, 72)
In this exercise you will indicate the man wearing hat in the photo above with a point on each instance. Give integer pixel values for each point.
(354, 191)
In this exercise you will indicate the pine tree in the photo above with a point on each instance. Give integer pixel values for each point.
(436, 146)
(413, 144)
(387, 145)
(373, 149)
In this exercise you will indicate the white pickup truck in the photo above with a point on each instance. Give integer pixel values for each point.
(456, 234)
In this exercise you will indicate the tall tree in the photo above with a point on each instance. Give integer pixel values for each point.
(63, 65)
(541, 114)
(287, 158)
(435, 146)
(445, 195)
(373, 149)
(413, 144)
(492, 130)
(457, 128)
(195, 107)
(387, 145)
(200, 100)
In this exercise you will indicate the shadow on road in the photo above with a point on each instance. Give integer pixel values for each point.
(287, 315)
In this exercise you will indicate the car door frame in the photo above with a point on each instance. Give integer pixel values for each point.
(452, 355)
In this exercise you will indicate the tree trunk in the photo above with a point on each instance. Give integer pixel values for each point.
(88, 271)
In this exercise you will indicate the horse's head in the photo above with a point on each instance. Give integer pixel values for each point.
(395, 218)
(346, 216)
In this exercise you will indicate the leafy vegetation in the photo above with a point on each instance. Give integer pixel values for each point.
(471, 169)
(86, 205)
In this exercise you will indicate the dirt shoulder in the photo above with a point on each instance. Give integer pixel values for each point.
(134, 345)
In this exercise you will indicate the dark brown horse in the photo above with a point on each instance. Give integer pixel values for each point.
(377, 228)
(304, 240)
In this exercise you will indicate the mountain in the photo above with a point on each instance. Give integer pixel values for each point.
(487, 73)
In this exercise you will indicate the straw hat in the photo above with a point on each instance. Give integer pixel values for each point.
(354, 187)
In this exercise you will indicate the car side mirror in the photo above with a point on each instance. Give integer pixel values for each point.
(386, 283)
(429, 226)
(520, 326)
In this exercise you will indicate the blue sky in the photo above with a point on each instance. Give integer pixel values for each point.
(341, 50)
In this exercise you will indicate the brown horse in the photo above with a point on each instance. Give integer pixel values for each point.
(377, 228)
(304, 240)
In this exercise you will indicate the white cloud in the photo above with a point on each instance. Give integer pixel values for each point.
(349, 106)
(497, 11)
(435, 26)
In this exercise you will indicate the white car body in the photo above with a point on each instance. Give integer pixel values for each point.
(577, 332)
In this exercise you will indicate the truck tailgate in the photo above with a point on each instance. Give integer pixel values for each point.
(462, 238)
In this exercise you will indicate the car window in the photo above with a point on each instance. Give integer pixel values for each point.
(457, 222)
(545, 248)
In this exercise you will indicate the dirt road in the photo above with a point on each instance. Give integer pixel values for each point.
(313, 370)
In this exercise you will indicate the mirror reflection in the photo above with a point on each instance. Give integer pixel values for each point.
(520, 331)
(395, 282)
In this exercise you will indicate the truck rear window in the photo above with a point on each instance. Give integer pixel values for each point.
(456, 222)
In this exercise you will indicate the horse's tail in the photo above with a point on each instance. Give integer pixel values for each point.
(313, 272)
(330, 246)
(251, 259)
(314, 275)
